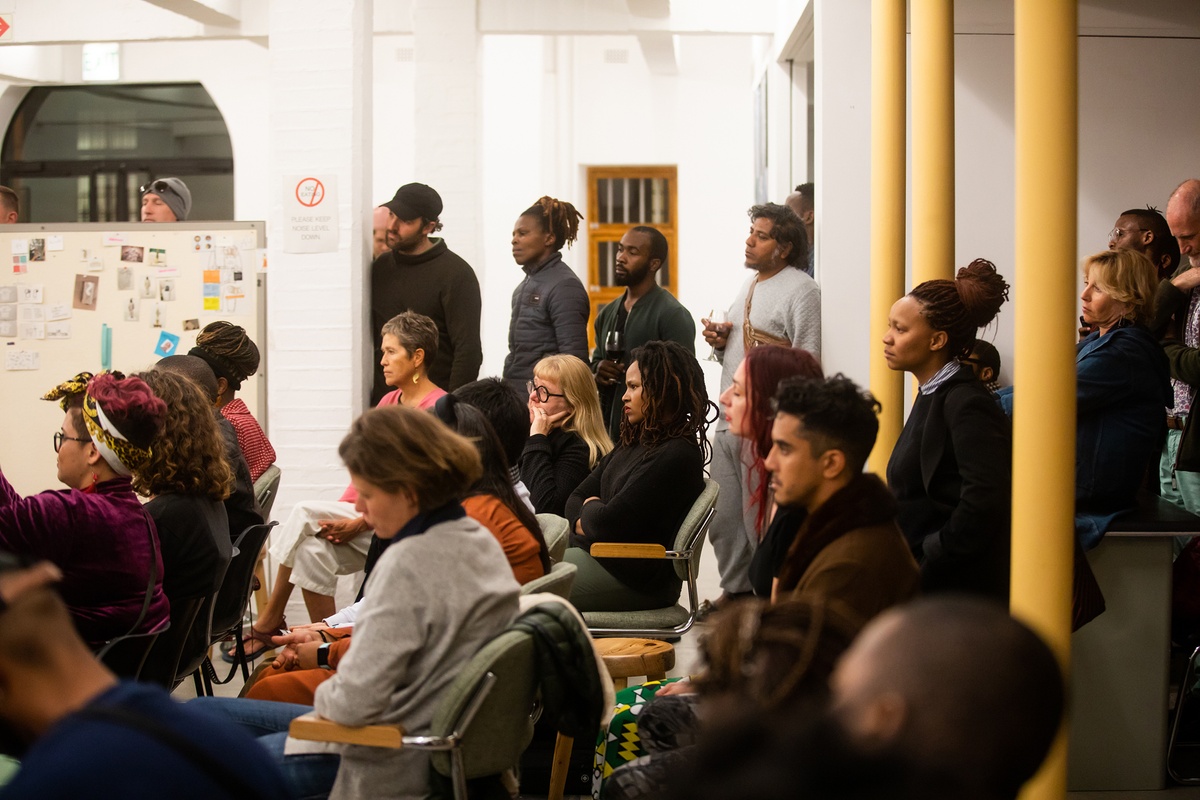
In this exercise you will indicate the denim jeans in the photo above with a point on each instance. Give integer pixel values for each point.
(1181, 488)
(308, 775)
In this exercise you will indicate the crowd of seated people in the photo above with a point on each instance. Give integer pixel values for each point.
(444, 488)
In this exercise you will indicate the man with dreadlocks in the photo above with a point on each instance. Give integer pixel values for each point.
(641, 491)
(550, 307)
(233, 357)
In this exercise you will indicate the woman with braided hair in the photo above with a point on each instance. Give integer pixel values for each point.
(234, 357)
(641, 491)
(96, 531)
(550, 307)
(951, 467)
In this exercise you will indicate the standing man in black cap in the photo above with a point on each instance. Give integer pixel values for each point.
(166, 200)
(421, 274)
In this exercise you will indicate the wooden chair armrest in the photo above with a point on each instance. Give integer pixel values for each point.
(620, 550)
(316, 728)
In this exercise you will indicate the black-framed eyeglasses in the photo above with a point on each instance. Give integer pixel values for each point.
(541, 392)
(157, 187)
(60, 437)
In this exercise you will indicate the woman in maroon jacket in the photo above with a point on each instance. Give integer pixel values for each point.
(96, 530)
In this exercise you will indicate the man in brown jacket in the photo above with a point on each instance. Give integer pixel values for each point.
(848, 548)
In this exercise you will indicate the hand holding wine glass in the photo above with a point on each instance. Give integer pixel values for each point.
(716, 331)
(611, 370)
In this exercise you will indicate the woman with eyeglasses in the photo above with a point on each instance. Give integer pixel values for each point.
(96, 530)
(641, 492)
(321, 540)
(567, 437)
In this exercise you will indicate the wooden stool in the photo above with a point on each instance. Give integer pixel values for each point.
(627, 658)
(624, 658)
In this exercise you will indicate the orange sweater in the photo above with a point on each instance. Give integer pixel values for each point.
(518, 542)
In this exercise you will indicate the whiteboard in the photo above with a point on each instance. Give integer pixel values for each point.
(153, 285)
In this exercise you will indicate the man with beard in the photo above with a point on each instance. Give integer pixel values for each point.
(779, 304)
(1177, 319)
(420, 274)
(645, 313)
(944, 698)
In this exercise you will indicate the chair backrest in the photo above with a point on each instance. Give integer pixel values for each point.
(554, 531)
(503, 727)
(265, 489)
(164, 657)
(695, 526)
(558, 580)
(125, 655)
(231, 600)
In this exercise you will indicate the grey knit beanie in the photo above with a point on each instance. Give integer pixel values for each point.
(174, 193)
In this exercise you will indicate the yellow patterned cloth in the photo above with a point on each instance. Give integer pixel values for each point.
(68, 389)
(620, 743)
(123, 456)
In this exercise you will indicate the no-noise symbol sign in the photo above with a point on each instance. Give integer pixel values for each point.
(310, 192)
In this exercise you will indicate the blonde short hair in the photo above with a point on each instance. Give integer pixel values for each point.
(1126, 276)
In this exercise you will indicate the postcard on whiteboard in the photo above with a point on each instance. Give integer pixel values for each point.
(31, 293)
(58, 311)
(8, 294)
(58, 330)
(21, 359)
(32, 330)
(87, 287)
(8, 330)
(20, 247)
(54, 243)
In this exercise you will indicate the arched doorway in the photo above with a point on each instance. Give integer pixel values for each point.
(79, 153)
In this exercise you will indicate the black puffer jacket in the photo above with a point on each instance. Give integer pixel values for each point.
(550, 311)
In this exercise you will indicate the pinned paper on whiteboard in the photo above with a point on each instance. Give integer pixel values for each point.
(21, 359)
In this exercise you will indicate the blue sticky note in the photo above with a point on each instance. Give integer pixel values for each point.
(168, 343)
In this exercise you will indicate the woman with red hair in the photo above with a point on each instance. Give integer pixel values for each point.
(747, 404)
(96, 531)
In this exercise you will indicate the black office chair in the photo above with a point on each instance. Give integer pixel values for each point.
(229, 608)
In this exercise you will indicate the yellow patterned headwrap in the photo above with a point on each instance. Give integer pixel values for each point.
(122, 455)
(68, 389)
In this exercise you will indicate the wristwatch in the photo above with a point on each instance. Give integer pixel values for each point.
(323, 656)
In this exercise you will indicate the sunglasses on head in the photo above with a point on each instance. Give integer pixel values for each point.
(157, 187)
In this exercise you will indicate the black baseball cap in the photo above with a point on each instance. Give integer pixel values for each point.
(415, 200)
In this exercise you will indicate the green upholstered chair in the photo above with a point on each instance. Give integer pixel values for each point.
(483, 723)
(661, 622)
(554, 531)
(558, 580)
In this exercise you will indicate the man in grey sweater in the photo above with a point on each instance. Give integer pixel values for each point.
(778, 304)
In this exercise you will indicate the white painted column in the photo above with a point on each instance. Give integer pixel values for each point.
(318, 108)
(842, 90)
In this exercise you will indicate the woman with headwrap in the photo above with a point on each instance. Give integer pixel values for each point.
(234, 357)
(96, 530)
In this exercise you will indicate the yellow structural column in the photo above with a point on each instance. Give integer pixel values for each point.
(932, 139)
(887, 211)
(1044, 412)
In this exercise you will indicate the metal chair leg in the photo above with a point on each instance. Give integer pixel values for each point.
(1184, 689)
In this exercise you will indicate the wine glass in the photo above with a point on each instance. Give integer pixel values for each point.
(716, 318)
(614, 346)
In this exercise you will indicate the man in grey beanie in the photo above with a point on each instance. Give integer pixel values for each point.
(165, 200)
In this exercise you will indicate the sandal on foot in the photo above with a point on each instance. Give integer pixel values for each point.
(251, 635)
